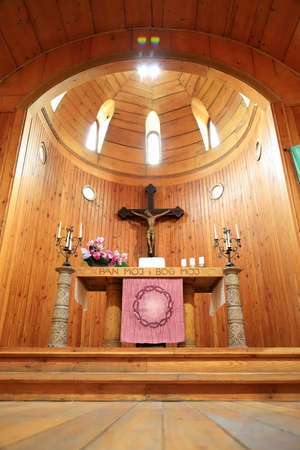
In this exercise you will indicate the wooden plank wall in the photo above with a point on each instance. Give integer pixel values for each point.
(255, 197)
(11, 124)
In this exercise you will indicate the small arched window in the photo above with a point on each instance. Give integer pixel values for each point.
(56, 101)
(153, 140)
(91, 139)
(104, 116)
(213, 135)
(202, 118)
(98, 129)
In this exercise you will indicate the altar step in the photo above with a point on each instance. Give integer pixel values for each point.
(149, 374)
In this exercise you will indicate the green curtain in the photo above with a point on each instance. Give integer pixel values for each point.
(296, 157)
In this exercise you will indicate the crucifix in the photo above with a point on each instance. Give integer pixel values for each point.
(150, 214)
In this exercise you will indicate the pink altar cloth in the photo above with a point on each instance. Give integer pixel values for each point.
(152, 311)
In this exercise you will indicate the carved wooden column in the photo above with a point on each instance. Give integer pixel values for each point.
(112, 326)
(189, 316)
(236, 332)
(59, 327)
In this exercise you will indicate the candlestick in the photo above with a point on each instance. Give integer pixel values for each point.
(80, 231)
(228, 247)
(68, 237)
(227, 238)
(68, 244)
(237, 232)
(59, 231)
(215, 230)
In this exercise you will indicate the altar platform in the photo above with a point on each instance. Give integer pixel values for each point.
(107, 374)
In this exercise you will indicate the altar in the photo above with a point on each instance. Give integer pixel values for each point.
(109, 279)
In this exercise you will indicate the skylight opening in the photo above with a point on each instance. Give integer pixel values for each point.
(56, 101)
(151, 71)
(91, 139)
(246, 99)
(213, 135)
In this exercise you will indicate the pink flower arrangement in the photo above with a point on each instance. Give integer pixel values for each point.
(96, 255)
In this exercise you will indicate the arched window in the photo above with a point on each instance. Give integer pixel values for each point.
(153, 141)
(213, 135)
(91, 139)
(246, 99)
(56, 101)
(98, 129)
(104, 116)
(202, 117)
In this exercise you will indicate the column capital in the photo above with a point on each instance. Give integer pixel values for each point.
(231, 270)
(67, 269)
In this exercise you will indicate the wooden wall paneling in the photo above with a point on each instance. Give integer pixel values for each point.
(251, 251)
(288, 134)
(291, 57)
(7, 61)
(179, 15)
(6, 126)
(75, 310)
(205, 335)
(15, 24)
(33, 248)
(254, 197)
(44, 17)
(110, 16)
(137, 14)
(239, 25)
(211, 18)
(280, 14)
(18, 290)
(77, 18)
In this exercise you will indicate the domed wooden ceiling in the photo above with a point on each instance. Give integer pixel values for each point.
(170, 96)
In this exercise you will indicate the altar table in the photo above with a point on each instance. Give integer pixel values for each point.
(109, 280)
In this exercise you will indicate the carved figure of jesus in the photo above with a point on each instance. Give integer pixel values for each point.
(151, 222)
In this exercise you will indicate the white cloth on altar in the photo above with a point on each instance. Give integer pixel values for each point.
(81, 294)
(154, 261)
(217, 297)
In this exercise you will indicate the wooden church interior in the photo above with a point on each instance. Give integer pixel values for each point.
(231, 64)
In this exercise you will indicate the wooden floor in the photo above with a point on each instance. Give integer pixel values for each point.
(150, 425)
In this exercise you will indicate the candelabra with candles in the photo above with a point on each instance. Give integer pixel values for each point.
(68, 244)
(228, 246)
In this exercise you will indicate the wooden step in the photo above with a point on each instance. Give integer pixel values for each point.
(151, 377)
(149, 374)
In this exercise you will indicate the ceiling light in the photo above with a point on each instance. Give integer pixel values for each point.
(142, 71)
(152, 71)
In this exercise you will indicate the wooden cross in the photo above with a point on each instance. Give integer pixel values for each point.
(151, 215)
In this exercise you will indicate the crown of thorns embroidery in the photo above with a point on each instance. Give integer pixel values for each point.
(139, 297)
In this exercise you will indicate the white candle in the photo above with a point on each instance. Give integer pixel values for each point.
(68, 238)
(70, 245)
(192, 262)
(215, 230)
(183, 262)
(59, 231)
(201, 260)
(227, 240)
(80, 231)
(237, 231)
